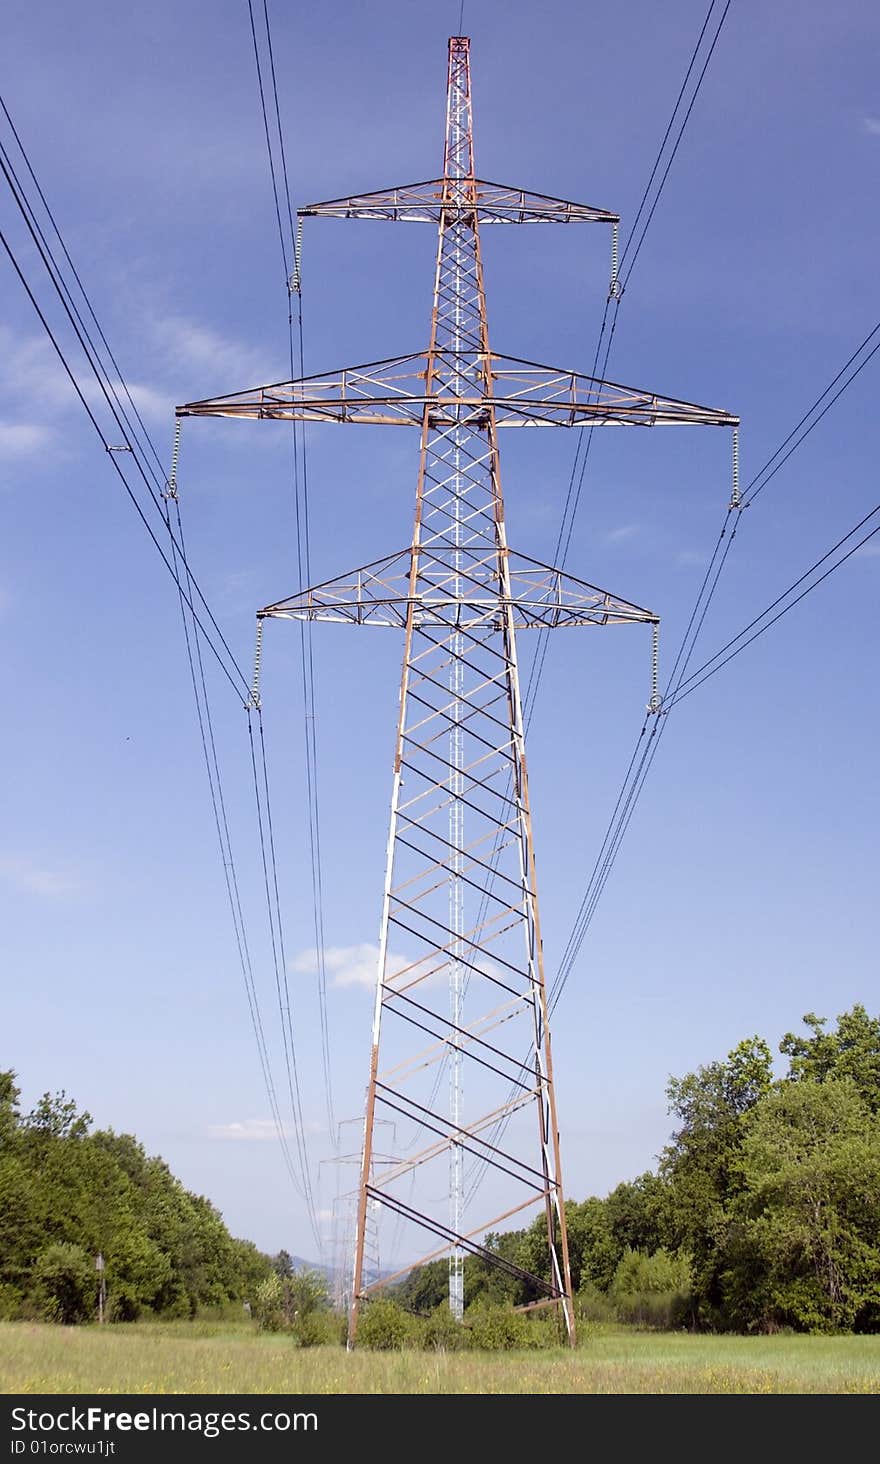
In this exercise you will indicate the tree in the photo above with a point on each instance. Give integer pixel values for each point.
(167, 1251)
(307, 1291)
(852, 1051)
(701, 1164)
(426, 1287)
(56, 1117)
(65, 1284)
(804, 1243)
(638, 1213)
(653, 1289)
(9, 1096)
(592, 1246)
(282, 1264)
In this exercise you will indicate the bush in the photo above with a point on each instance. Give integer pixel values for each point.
(65, 1284)
(383, 1326)
(268, 1299)
(593, 1305)
(443, 1332)
(498, 1328)
(652, 1290)
(319, 1329)
(123, 1303)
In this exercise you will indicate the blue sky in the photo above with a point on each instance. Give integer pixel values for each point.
(744, 894)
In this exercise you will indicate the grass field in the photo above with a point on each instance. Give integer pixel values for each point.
(212, 1358)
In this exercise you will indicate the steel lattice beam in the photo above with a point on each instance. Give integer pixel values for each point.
(399, 391)
(488, 203)
(460, 991)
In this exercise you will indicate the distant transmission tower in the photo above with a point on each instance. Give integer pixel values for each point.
(460, 998)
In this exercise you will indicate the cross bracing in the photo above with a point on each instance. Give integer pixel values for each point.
(460, 991)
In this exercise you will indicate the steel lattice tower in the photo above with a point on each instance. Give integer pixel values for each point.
(460, 999)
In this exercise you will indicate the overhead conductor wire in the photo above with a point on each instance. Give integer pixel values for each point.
(290, 243)
(137, 442)
(585, 438)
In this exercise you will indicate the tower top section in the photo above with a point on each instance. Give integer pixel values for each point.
(458, 156)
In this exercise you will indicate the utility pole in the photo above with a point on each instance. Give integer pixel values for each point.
(460, 987)
(102, 1291)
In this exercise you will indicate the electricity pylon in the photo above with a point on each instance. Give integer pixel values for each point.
(460, 956)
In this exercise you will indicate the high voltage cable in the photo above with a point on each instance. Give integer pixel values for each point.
(51, 217)
(669, 126)
(679, 684)
(584, 442)
(708, 668)
(178, 558)
(279, 961)
(268, 139)
(291, 265)
(129, 490)
(677, 143)
(117, 411)
(227, 859)
(762, 477)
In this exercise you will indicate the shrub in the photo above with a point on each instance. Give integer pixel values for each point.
(268, 1299)
(497, 1328)
(592, 1305)
(123, 1303)
(652, 1290)
(384, 1326)
(65, 1286)
(10, 1302)
(443, 1332)
(319, 1329)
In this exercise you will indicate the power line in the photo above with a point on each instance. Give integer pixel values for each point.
(584, 443)
(108, 392)
(51, 217)
(669, 126)
(279, 961)
(293, 287)
(269, 151)
(709, 667)
(763, 477)
(679, 684)
(227, 859)
(177, 561)
(677, 143)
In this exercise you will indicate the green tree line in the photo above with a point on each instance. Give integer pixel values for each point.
(763, 1212)
(68, 1193)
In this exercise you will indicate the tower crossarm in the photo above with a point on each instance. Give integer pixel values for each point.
(431, 203)
(460, 960)
(400, 391)
(380, 594)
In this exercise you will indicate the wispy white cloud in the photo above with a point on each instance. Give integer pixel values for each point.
(871, 550)
(356, 965)
(353, 965)
(871, 125)
(151, 401)
(624, 531)
(30, 370)
(252, 1130)
(690, 556)
(196, 351)
(31, 877)
(23, 439)
(255, 1130)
